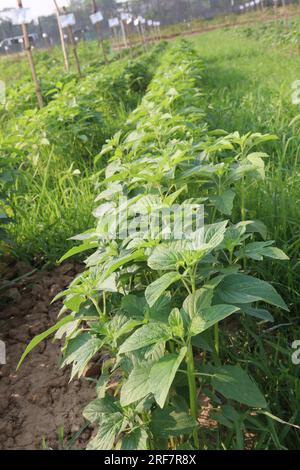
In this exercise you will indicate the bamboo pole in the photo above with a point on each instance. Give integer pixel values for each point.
(27, 48)
(73, 45)
(115, 33)
(98, 28)
(62, 39)
(124, 34)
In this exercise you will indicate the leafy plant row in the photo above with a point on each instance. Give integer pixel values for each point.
(83, 114)
(51, 147)
(275, 33)
(21, 96)
(149, 307)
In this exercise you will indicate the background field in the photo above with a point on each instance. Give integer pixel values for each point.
(50, 187)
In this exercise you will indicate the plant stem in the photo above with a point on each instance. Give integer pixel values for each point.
(217, 339)
(192, 390)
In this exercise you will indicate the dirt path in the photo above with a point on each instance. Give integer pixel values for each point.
(38, 400)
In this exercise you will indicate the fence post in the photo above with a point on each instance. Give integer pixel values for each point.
(98, 28)
(27, 48)
(62, 39)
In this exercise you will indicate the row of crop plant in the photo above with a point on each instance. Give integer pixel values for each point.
(151, 303)
(49, 153)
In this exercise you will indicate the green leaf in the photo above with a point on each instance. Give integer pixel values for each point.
(275, 253)
(164, 258)
(145, 336)
(171, 423)
(109, 429)
(155, 290)
(259, 250)
(137, 308)
(38, 339)
(176, 323)
(137, 385)
(214, 234)
(259, 313)
(78, 249)
(120, 261)
(134, 306)
(136, 440)
(256, 226)
(200, 300)
(162, 375)
(81, 351)
(235, 384)
(243, 289)
(224, 202)
(94, 410)
(207, 318)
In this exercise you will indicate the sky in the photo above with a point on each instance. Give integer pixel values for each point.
(39, 7)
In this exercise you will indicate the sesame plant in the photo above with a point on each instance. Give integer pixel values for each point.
(53, 150)
(150, 307)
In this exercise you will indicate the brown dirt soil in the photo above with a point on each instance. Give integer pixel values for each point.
(38, 400)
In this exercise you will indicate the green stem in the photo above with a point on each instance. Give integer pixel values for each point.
(192, 390)
(217, 339)
(104, 303)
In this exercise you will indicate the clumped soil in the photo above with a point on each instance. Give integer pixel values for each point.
(37, 401)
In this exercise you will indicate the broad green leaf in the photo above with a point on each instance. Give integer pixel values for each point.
(38, 339)
(205, 319)
(256, 226)
(146, 336)
(78, 249)
(214, 234)
(162, 375)
(109, 429)
(94, 410)
(70, 350)
(102, 384)
(137, 307)
(259, 250)
(137, 385)
(134, 306)
(120, 261)
(235, 384)
(243, 289)
(155, 290)
(136, 440)
(224, 202)
(259, 313)
(275, 253)
(164, 258)
(171, 423)
(82, 354)
(198, 301)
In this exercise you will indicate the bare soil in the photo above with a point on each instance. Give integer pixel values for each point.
(38, 400)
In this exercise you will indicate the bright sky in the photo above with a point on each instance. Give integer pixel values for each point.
(39, 7)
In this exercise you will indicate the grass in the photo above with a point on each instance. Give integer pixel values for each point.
(249, 89)
(55, 183)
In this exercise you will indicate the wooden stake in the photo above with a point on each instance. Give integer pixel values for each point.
(27, 48)
(98, 28)
(124, 34)
(62, 39)
(73, 44)
(116, 38)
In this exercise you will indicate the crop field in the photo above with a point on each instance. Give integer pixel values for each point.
(150, 243)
